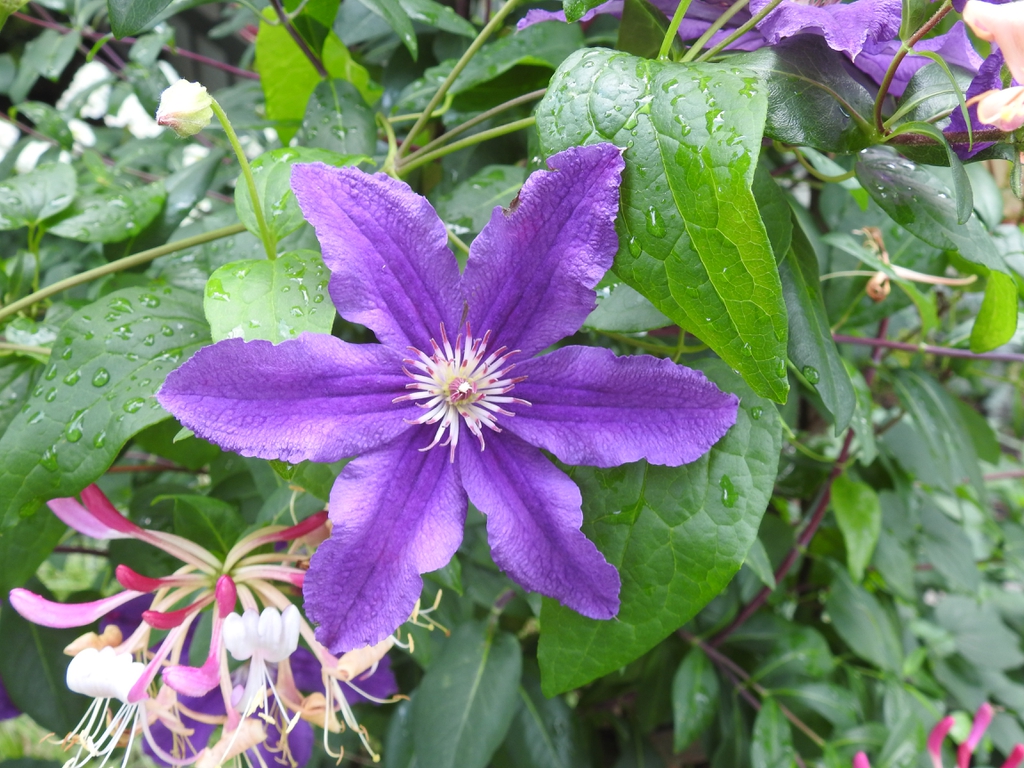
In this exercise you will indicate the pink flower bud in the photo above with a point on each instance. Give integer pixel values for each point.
(860, 760)
(935, 739)
(981, 720)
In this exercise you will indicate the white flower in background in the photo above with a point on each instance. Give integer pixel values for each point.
(82, 133)
(192, 154)
(89, 76)
(133, 116)
(186, 108)
(8, 138)
(29, 156)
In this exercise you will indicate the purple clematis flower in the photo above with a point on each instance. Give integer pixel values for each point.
(420, 408)
(846, 27)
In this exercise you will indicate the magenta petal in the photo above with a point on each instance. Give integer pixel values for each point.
(314, 397)
(47, 613)
(387, 251)
(397, 513)
(75, 516)
(533, 525)
(590, 407)
(532, 270)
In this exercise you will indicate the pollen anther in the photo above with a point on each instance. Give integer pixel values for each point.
(460, 380)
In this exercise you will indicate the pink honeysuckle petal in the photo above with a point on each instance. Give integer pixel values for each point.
(198, 681)
(397, 513)
(982, 718)
(532, 270)
(1016, 757)
(140, 690)
(314, 397)
(391, 269)
(74, 515)
(935, 739)
(130, 579)
(860, 760)
(533, 525)
(47, 613)
(170, 619)
(272, 535)
(590, 407)
(106, 513)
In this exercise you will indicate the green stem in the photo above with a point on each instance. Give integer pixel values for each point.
(269, 243)
(494, 24)
(412, 163)
(901, 54)
(673, 29)
(127, 262)
(660, 349)
(818, 174)
(738, 32)
(6, 346)
(446, 137)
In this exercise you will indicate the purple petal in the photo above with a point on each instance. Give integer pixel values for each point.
(590, 407)
(954, 47)
(210, 704)
(7, 708)
(313, 397)
(532, 270)
(397, 513)
(989, 77)
(846, 27)
(538, 15)
(127, 617)
(306, 670)
(387, 251)
(533, 525)
(292, 750)
(47, 613)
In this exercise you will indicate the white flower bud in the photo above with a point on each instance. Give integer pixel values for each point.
(185, 108)
(272, 636)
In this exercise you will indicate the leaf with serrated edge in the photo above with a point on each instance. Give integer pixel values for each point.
(691, 238)
(97, 391)
(676, 534)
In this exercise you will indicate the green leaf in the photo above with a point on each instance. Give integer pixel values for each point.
(24, 547)
(677, 535)
(574, 9)
(468, 698)
(129, 17)
(438, 16)
(811, 347)
(27, 199)
(996, 322)
(187, 450)
(289, 79)
(691, 238)
(212, 523)
(109, 217)
(979, 633)
(758, 561)
(317, 478)
(33, 667)
(859, 515)
(449, 577)
(642, 30)
(544, 733)
(272, 300)
(936, 445)
(986, 444)
(772, 745)
(51, 52)
(542, 45)
(17, 374)
(337, 119)
(961, 183)
(775, 211)
(694, 698)
(272, 172)
(919, 201)
(812, 98)
(47, 121)
(97, 391)
(398, 741)
(621, 309)
(863, 624)
(398, 19)
(470, 203)
(945, 545)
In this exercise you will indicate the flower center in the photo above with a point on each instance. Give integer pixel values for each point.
(460, 382)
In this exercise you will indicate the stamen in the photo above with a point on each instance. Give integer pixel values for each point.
(461, 381)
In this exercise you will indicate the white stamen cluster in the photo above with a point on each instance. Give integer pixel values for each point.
(461, 380)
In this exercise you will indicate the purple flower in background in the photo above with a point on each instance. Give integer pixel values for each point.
(458, 370)
(989, 78)
(7, 708)
(846, 27)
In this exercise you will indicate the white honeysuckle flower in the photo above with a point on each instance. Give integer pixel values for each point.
(104, 674)
(186, 108)
(265, 637)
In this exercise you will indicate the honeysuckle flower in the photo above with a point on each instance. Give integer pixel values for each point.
(1003, 108)
(989, 78)
(982, 719)
(452, 402)
(119, 663)
(186, 108)
(1002, 25)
